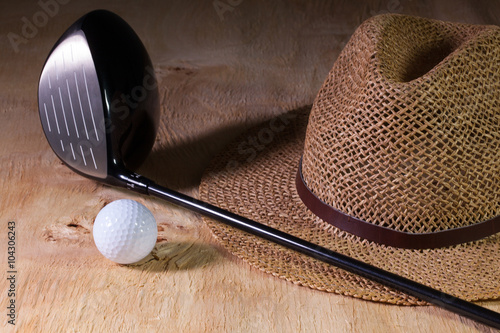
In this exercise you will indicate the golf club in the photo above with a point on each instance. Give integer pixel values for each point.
(99, 108)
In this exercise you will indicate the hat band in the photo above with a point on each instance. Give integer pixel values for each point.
(387, 236)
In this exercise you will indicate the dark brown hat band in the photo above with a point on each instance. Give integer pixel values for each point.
(390, 237)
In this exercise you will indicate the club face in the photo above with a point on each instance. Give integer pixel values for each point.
(98, 97)
(70, 107)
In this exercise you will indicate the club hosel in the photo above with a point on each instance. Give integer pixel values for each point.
(132, 181)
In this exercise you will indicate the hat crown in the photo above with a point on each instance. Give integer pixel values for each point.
(405, 132)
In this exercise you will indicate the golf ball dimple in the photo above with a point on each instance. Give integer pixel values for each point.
(125, 231)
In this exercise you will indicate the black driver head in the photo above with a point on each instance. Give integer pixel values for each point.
(98, 97)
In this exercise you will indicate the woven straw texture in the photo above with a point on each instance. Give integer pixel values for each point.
(385, 120)
(405, 132)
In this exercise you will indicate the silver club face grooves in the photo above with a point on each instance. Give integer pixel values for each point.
(70, 105)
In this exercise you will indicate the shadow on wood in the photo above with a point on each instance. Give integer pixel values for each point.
(178, 256)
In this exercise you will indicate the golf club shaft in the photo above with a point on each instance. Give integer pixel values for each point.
(433, 296)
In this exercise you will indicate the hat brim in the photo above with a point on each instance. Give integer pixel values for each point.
(255, 177)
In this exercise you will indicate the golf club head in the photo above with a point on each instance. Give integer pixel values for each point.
(98, 98)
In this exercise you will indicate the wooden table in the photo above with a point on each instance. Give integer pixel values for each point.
(223, 66)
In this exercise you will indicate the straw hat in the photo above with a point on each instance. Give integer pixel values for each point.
(397, 165)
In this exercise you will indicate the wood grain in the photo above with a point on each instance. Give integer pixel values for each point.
(219, 73)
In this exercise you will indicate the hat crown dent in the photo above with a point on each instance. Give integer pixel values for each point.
(405, 132)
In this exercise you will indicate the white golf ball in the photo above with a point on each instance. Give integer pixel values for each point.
(125, 231)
